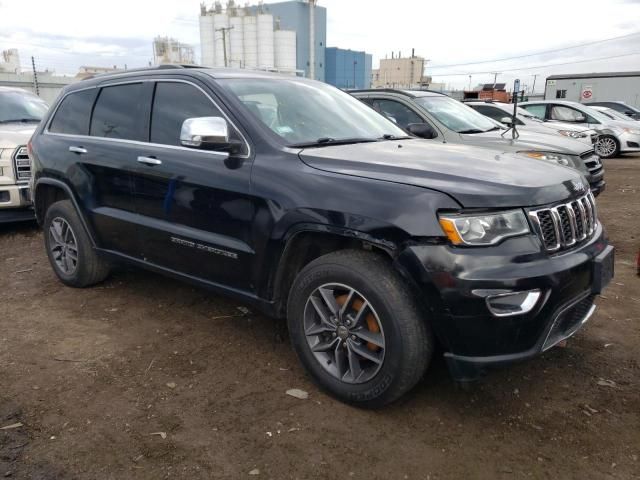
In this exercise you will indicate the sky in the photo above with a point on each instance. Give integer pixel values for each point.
(64, 34)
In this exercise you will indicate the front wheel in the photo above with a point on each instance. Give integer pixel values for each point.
(607, 146)
(357, 329)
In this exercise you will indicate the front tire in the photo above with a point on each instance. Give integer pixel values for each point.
(357, 328)
(607, 146)
(69, 248)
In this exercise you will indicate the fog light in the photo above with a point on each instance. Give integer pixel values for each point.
(510, 303)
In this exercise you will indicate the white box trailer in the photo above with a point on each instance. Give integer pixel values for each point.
(595, 87)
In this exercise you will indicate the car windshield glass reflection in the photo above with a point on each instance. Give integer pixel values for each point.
(456, 116)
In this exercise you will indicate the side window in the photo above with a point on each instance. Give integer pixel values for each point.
(396, 111)
(566, 114)
(539, 111)
(119, 113)
(561, 94)
(173, 103)
(72, 116)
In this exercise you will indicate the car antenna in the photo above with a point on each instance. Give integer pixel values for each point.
(514, 130)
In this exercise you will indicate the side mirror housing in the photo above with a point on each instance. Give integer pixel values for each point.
(506, 120)
(581, 119)
(206, 133)
(422, 130)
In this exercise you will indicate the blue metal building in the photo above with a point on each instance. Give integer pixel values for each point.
(295, 15)
(347, 68)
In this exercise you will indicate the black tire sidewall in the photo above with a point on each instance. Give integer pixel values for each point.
(383, 387)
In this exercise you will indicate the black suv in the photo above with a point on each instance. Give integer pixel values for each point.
(307, 204)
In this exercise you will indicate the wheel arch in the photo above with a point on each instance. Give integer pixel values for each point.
(305, 243)
(50, 190)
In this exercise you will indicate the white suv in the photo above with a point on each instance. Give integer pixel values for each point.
(20, 113)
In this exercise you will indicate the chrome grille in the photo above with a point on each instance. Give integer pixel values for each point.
(22, 164)
(565, 225)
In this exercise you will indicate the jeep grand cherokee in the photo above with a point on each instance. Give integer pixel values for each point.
(302, 201)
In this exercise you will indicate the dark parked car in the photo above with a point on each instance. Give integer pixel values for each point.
(621, 107)
(440, 118)
(302, 201)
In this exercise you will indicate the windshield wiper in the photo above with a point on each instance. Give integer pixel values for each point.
(492, 129)
(20, 120)
(326, 141)
(472, 130)
(389, 136)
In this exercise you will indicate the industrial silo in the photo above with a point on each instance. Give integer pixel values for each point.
(250, 37)
(285, 50)
(207, 51)
(236, 37)
(265, 41)
(221, 37)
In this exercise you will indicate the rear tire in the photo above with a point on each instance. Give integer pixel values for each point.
(69, 248)
(607, 146)
(343, 358)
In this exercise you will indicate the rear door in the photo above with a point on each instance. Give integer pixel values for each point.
(92, 131)
(196, 211)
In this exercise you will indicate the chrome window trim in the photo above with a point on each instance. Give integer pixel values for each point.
(138, 142)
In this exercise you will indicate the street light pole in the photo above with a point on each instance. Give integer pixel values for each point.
(533, 89)
(355, 62)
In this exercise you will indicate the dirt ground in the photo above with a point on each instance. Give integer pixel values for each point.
(146, 378)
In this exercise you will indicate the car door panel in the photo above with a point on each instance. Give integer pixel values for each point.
(195, 205)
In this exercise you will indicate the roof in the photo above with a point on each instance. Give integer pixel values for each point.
(569, 76)
(407, 93)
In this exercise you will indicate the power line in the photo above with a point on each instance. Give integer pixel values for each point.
(537, 53)
(546, 65)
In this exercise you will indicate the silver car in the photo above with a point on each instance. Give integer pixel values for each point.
(615, 136)
(439, 118)
(503, 113)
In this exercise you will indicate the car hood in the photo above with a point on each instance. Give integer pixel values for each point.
(621, 124)
(15, 134)
(475, 177)
(526, 141)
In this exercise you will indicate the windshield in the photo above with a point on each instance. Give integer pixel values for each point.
(303, 112)
(614, 114)
(455, 115)
(18, 106)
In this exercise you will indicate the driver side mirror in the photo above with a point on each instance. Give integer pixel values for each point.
(207, 133)
(506, 120)
(581, 119)
(422, 130)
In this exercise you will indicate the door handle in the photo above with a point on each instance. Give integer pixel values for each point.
(78, 149)
(149, 161)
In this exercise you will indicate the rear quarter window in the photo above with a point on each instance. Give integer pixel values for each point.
(73, 114)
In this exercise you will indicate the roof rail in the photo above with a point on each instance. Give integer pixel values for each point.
(166, 66)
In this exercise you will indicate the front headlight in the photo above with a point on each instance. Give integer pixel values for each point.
(560, 158)
(487, 229)
(633, 131)
(572, 134)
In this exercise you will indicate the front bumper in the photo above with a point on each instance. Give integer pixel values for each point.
(473, 338)
(15, 203)
(629, 143)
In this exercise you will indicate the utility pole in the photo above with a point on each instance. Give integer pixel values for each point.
(35, 76)
(495, 79)
(355, 62)
(469, 82)
(224, 31)
(533, 89)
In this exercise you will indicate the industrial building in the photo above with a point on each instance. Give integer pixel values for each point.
(288, 37)
(244, 37)
(169, 50)
(595, 87)
(400, 72)
(347, 68)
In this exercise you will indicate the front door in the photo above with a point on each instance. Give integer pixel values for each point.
(196, 211)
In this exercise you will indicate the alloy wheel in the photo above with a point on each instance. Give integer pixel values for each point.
(63, 245)
(344, 333)
(606, 146)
